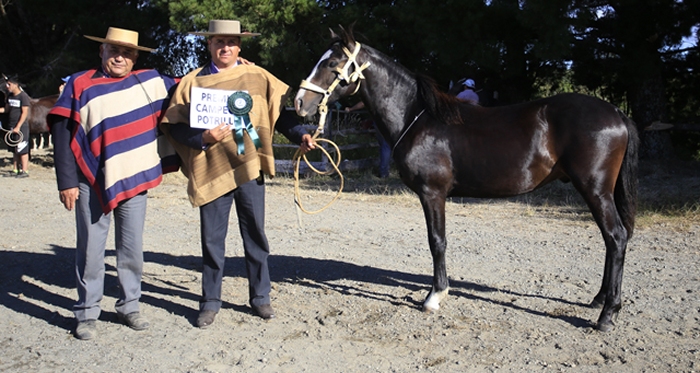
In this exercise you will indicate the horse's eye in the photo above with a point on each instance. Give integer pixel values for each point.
(332, 64)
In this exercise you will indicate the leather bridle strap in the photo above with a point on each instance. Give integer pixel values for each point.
(343, 76)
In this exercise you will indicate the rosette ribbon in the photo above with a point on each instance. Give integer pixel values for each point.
(239, 104)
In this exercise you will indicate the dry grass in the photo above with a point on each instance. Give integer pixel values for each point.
(669, 193)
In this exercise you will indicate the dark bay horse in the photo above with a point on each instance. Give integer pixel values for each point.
(444, 147)
(38, 128)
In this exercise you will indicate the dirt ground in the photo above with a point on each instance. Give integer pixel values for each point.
(348, 284)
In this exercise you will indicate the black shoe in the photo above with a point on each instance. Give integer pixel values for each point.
(22, 174)
(10, 174)
(265, 311)
(205, 318)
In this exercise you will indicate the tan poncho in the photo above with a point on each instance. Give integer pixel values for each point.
(219, 169)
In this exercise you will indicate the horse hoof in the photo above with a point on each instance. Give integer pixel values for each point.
(604, 326)
(431, 305)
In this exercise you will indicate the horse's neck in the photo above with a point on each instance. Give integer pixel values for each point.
(389, 92)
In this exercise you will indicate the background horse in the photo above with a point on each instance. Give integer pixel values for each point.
(38, 128)
(444, 147)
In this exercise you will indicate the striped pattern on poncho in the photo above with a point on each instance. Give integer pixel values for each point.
(115, 145)
(219, 169)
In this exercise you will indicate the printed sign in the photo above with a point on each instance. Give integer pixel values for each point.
(209, 108)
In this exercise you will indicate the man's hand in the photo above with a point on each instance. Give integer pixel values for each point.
(307, 144)
(243, 61)
(68, 197)
(216, 134)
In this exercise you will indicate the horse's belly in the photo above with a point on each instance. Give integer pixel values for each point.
(496, 182)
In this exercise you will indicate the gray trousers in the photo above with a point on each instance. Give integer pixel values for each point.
(92, 228)
(214, 219)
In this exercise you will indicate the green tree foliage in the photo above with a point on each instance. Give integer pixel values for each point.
(626, 51)
(625, 47)
(41, 40)
(505, 45)
(287, 28)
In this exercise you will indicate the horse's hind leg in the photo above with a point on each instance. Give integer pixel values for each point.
(615, 237)
(434, 210)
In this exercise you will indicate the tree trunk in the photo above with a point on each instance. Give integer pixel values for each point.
(648, 105)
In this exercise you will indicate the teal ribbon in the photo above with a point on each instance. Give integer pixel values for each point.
(239, 104)
(240, 124)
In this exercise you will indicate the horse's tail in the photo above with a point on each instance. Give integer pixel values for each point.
(626, 186)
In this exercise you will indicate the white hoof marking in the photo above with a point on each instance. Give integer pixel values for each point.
(432, 303)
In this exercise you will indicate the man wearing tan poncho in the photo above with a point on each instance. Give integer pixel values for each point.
(224, 166)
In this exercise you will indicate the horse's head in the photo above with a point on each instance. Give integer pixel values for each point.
(3, 84)
(337, 74)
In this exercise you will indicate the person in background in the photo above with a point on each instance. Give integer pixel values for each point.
(64, 80)
(227, 163)
(384, 148)
(468, 93)
(104, 126)
(18, 112)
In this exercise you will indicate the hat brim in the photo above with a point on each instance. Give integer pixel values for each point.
(243, 34)
(116, 42)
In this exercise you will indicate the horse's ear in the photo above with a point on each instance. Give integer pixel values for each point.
(344, 34)
(348, 38)
(333, 34)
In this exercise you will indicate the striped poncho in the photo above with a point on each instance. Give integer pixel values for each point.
(220, 168)
(116, 142)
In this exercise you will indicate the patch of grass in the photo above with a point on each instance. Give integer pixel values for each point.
(680, 216)
(668, 194)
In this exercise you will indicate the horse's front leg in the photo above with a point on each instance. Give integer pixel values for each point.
(434, 210)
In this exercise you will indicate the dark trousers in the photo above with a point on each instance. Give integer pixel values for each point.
(214, 218)
(384, 153)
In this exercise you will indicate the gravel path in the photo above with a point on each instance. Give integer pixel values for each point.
(348, 285)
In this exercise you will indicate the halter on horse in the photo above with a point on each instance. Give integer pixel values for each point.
(447, 148)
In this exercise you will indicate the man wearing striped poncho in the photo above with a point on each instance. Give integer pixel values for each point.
(104, 126)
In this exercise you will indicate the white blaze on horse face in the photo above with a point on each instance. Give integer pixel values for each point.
(302, 91)
(325, 56)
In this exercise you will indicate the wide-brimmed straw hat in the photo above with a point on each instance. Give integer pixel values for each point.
(122, 37)
(224, 27)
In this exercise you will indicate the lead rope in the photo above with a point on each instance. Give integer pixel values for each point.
(9, 140)
(406, 131)
(355, 76)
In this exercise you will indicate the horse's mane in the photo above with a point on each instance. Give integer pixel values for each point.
(440, 105)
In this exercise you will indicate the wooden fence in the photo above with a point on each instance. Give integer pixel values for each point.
(686, 127)
(338, 125)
